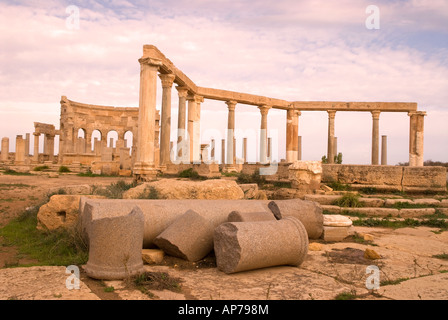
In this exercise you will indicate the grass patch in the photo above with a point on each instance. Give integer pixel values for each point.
(191, 174)
(157, 281)
(90, 174)
(407, 205)
(350, 200)
(63, 169)
(16, 173)
(114, 190)
(109, 289)
(41, 168)
(346, 296)
(443, 256)
(368, 190)
(281, 184)
(244, 178)
(395, 224)
(230, 174)
(149, 193)
(393, 282)
(54, 248)
(7, 186)
(337, 186)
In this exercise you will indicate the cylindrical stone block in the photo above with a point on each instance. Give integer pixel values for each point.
(5, 149)
(189, 237)
(160, 214)
(236, 216)
(308, 212)
(115, 246)
(241, 246)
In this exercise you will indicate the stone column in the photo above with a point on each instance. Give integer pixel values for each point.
(245, 150)
(27, 145)
(269, 152)
(230, 136)
(264, 109)
(36, 147)
(167, 84)
(181, 117)
(330, 148)
(212, 150)
(299, 147)
(383, 150)
(194, 129)
(49, 146)
(5, 149)
(20, 150)
(144, 167)
(295, 133)
(289, 136)
(223, 151)
(335, 147)
(375, 136)
(416, 134)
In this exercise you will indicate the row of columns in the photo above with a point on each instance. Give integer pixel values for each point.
(191, 150)
(415, 138)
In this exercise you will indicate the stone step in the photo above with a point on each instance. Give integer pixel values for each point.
(377, 202)
(385, 212)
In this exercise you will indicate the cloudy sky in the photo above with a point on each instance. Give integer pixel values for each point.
(287, 49)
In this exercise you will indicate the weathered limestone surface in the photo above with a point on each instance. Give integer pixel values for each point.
(159, 214)
(189, 237)
(236, 216)
(424, 177)
(60, 211)
(115, 246)
(305, 175)
(152, 256)
(241, 246)
(336, 233)
(186, 189)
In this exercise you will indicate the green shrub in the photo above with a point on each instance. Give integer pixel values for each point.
(63, 169)
(337, 186)
(349, 200)
(41, 168)
(15, 173)
(114, 190)
(191, 174)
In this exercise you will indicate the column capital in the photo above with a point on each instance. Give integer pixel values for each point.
(182, 91)
(151, 62)
(36, 134)
(297, 113)
(264, 109)
(231, 104)
(167, 80)
(195, 98)
(331, 114)
(375, 114)
(417, 113)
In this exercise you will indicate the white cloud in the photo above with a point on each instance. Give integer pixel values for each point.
(311, 50)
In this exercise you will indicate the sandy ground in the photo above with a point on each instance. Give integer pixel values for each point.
(407, 268)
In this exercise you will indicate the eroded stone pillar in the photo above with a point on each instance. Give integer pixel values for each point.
(212, 150)
(383, 150)
(292, 131)
(245, 150)
(223, 151)
(230, 159)
(416, 135)
(264, 109)
(299, 148)
(375, 136)
(144, 167)
(330, 148)
(194, 127)
(165, 130)
(181, 117)
(27, 145)
(20, 150)
(5, 149)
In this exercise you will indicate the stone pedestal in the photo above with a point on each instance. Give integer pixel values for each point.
(115, 246)
(241, 246)
(305, 175)
(337, 227)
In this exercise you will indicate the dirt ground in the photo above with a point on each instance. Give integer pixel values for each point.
(410, 266)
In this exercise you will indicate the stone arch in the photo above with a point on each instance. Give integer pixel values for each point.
(112, 135)
(96, 133)
(82, 133)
